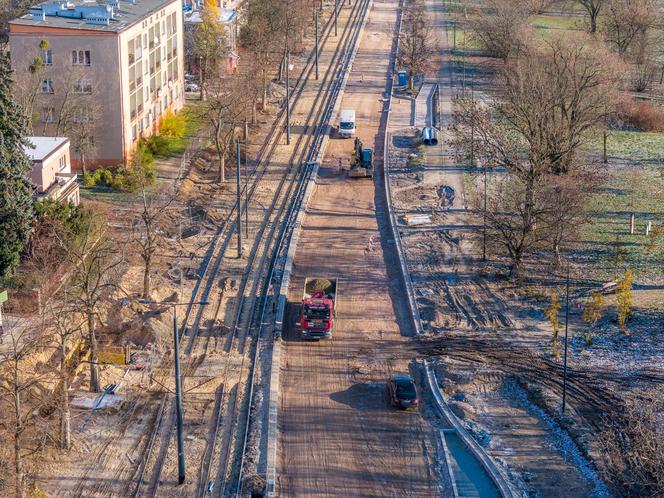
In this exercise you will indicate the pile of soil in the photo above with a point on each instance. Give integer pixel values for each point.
(318, 285)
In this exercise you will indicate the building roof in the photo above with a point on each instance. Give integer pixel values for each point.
(95, 15)
(226, 16)
(44, 147)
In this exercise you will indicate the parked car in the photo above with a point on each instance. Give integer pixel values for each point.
(191, 87)
(402, 392)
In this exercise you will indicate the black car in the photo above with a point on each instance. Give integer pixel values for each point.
(402, 391)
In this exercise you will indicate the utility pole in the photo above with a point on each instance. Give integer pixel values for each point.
(484, 230)
(239, 200)
(472, 126)
(336, 15)
(178, 381)
(287, 96)
(316, 40)
(565, 354)
(246, 140)
(178, 398)
(246, 179)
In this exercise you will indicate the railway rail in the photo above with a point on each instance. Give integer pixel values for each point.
(250, 309)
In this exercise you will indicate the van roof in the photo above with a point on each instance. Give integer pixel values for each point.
(347, 114)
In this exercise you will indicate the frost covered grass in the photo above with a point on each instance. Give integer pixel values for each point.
(605, 242)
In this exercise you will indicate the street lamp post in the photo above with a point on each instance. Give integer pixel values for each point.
(287, 97)
(316, 40)
(484, 228)
(565, 354)
(178, 381)
(336, 15)
(246, 179)
(239, 200)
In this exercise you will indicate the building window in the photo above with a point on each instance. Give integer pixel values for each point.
(63, 163)
(133, 133)
(47, 115)
(80, 57)
(47, 56)
(82, 115)
(83, 87)
(47, 86)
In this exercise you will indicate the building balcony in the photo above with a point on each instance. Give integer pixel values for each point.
(64, 188)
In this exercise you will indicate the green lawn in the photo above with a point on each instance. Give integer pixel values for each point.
(626, 191)
(557, 22)
(192, 122)
(634, 146)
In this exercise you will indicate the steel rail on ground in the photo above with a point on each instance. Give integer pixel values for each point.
(204, 272)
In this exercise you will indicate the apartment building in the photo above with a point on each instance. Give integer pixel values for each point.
(51, 174)
(121, 61)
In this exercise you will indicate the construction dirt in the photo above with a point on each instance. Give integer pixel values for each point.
(338, 435)
(490, 337)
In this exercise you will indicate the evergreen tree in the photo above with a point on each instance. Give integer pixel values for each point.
(15, 191)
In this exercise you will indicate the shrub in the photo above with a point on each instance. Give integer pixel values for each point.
(172, 125)
(624, 299)
(642, 115)
(125, 179)
(158, 145)
(551, 314)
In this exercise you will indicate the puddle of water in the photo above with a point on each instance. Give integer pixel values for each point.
(471, 478)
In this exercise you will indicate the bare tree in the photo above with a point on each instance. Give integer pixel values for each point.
(593, 8)
(67, 327)
(96, 262)
(260, 43)
(551, 99)
(148, 232)
(627, 22)
(416, 43)
(20, 387)
(500, 25)
(224, 111)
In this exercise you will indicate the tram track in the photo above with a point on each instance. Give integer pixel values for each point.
(246, 308)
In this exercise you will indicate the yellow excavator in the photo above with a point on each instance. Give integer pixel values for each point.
(361, 164)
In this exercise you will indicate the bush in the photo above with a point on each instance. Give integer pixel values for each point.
(158, 145)
(641, 115)
(133, 178)
(125, 179)
(172, 125)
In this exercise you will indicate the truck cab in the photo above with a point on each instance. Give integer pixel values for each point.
(347, 123)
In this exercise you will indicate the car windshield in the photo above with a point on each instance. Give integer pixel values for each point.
(405, 389)
(310, 312)
(346, 125)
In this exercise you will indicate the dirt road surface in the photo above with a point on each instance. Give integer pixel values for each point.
(338, 435)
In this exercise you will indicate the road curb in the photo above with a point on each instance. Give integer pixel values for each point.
(405, 274)
(472, 445)
(275, 367)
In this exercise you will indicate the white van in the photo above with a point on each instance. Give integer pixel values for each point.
(347, 123)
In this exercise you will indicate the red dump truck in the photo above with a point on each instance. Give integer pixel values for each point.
(318, 308)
